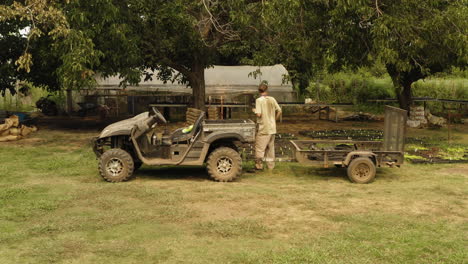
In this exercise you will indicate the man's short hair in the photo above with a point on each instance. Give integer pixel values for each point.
(263, 87)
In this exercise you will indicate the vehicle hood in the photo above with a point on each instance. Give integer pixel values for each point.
(123, 127)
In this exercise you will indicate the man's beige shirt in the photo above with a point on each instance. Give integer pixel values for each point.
(267, 107)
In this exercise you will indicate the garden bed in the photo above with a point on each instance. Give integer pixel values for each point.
(418, 149)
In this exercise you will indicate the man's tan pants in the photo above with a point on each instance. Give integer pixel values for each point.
(265, 150)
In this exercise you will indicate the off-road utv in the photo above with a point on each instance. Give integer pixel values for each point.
(124, 146)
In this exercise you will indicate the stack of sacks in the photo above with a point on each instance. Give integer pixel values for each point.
(12, 130)
(417, 117)
(213, 113)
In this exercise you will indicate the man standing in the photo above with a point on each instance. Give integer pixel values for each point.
(267, 111)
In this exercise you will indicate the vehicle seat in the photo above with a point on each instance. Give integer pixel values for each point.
(179, 136)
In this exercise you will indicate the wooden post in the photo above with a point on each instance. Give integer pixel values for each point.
(325, 160)
(17, 97)
(246, 98)
(448, 128)
(222, 107)
(336, 114)
(167, 113)
(317, 92)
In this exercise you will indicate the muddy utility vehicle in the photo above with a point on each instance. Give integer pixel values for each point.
(124, 146)
(359, 157)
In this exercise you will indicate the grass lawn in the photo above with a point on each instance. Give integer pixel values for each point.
(55, 208)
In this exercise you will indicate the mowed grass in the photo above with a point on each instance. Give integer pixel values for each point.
(55, 208)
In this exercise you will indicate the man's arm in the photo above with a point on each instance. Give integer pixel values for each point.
(256, 113)
(278, 114)
(258, 110)
(278, 110)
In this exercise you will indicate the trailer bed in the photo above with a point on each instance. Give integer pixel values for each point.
(334, 152)
(348, 153)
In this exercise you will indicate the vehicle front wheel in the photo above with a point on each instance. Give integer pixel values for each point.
(116, 165)
(361, 170)
(224, 164)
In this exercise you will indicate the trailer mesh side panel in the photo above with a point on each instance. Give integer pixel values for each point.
(394, 131)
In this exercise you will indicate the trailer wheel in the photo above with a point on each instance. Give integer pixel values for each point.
(224, 164)
(116, 165)
(361, 170)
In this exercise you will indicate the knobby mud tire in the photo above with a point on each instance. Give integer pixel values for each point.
(116, 165)
(224, 164)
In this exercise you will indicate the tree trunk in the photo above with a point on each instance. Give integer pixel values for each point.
(197, 82)
(404, 95)
(402, 81)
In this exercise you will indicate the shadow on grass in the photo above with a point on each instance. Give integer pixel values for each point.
(196, 173)
(293, 170)
(333, 173)
(382, 174)
(317, 173)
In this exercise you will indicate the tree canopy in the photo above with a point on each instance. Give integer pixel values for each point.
(128, 37)
(24, 26)
(69, 41)
(414, 39)
(13, 45)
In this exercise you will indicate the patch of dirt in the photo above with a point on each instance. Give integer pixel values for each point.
(293, 217)
(24, 141)
(223, 210)
(280, 218)
(57, 138)
(459, 170)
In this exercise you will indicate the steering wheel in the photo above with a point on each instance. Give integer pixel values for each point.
(158, 114)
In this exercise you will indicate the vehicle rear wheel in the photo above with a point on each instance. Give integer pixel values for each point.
(224, 164)
(116, 165)
(361, 170)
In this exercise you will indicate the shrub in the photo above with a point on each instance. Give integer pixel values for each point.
(361, 86)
